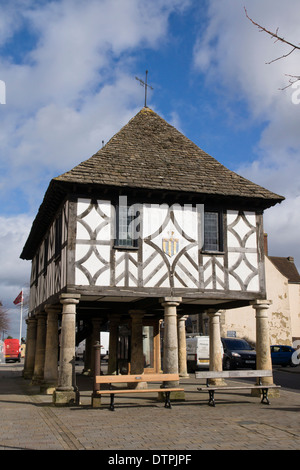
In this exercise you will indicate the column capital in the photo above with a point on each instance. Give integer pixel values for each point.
(114, 320)
(136, 313)
(69, 298)
(41, 314)
(171, 301)
(97, 321)
(213, 311)
(182, 317)
(261, 304)
(49, 308)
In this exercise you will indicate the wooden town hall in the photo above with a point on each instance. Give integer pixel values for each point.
(148, 230)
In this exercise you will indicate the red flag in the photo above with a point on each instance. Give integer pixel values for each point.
(19, 299)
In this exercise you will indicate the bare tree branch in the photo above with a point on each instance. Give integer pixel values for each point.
(281, 57)
(291, 82)
(274, 35)
(281, 39)
(4, 320)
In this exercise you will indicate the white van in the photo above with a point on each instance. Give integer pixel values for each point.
(104, 341)
(197, 351)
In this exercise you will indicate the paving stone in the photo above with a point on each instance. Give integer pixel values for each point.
(29, 420)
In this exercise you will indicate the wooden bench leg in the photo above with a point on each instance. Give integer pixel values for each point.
(112, 402)
(211, 400)
(265, 396)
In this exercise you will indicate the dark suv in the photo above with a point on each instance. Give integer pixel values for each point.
(238, 354)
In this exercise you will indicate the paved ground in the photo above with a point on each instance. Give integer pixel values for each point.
(238, 422)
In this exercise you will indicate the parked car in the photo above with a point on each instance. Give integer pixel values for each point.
(281, 354)
(238, 354)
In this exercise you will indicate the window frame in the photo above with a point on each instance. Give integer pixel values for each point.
(219, 230)
(132, 243)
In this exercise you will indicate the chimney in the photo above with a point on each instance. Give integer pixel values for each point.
(266, 244)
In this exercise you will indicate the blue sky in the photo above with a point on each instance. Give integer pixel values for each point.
(69, 68)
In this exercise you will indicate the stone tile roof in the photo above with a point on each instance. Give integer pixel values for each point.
(286, 267)
(150, 153)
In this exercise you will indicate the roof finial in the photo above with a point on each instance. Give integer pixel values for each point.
(145, 84)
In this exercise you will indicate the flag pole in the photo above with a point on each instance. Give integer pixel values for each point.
(21, 316)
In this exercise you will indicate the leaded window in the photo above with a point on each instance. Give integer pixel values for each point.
(126, 228)
(213, 234)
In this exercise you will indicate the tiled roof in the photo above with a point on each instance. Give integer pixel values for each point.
(150, 153)
(286, 267)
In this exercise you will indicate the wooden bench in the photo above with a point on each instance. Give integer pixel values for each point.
(113, 380)
(231, 374)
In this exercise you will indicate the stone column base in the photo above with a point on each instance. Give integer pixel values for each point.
(48, 388)
(96, 400)
(66, 397)
(139, 385)
(37, 380)
(217, 382)
(272, 393)
(27, 375)
(184, 375)
(174, 396)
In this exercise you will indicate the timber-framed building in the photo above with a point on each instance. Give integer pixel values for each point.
(146, 231)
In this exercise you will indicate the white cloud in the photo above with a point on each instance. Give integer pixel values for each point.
(13, 233)
(233, 55)
(233, 45)
(10, 19)
(77, 44)
(75, 87)
(14, 272)
(69, 68)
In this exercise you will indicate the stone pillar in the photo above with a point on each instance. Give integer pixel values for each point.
(137, 356)
(158, 346)
(114, 322)
(96, 398)
(95, 338)
(263, 352)
(182, 360)
(30, 347)
(38, 372)
(215, 349)
(66, 392)
(51, 354)
(170, 349)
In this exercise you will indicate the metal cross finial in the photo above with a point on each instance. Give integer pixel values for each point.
(145, 84)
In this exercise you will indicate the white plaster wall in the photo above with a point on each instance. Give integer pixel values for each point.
(161, 224)
(240, 320)
(280, 310)
(294, 295)
(283, 312)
